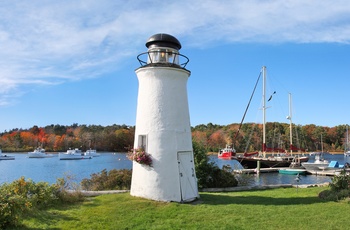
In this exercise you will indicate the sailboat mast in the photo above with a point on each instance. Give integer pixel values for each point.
(347, 138)
(290, 123)
(264, 110)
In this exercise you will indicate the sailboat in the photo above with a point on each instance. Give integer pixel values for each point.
(347, 150)
(294, 167)
(252, 161)
(298, 159)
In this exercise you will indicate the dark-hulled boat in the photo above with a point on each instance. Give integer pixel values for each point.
(282, 159)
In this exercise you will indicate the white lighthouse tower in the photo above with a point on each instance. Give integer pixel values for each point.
(163, 125)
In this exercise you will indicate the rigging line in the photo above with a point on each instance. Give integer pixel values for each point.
(245, 112)
(249, 138)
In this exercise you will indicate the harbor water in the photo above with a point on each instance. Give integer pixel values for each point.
(50, 169)
(274, 178)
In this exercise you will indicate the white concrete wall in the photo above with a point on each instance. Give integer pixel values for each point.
(162, 115)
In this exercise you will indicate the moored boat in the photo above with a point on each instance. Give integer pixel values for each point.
(73, 154)
(347, 153)
(265, 162)
(282, 159)
(5, 156)
(39, 153)
(92, 153)
(227, 153)
(292, 171)
(319, 162)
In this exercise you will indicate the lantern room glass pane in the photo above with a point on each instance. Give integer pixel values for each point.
(163, 55)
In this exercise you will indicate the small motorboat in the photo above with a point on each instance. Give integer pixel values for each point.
(39, 153)
(292, 171)
(227, 153)
(5, 156)
(92, 153)
(73, 154)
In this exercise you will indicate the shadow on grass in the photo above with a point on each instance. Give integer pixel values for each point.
(49, 217)
(215, 199)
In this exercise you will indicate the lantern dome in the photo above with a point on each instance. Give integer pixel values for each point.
(163, 40)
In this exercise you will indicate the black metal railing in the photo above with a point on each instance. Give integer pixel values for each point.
(173, 58)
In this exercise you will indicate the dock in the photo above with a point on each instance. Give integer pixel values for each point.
(252, 171)
(328, 172)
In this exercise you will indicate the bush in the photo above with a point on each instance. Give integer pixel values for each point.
(208, 174)
(339, 188)
(340, 182)
(64, 191)
(112, 180)
(21, 196)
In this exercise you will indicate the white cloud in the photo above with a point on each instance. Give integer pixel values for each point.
(49, 42)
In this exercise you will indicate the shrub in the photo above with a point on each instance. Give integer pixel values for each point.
(208, 174)
(328, 195)
(340, 182)
(21, 196)
(112, 180)
(64, 192)
(339, 188)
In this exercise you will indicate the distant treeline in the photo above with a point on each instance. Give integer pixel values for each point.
(249, 137)
(120, 138)
(57, 138)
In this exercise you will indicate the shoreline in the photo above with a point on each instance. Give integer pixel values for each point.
(331, 153)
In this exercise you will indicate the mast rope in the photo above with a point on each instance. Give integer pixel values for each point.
(246, 110)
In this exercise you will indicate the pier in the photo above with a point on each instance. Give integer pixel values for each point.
(325, 172)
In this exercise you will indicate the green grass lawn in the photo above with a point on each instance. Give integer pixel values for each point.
(286, 208)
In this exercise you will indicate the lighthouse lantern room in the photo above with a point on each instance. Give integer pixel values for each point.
(163, 127)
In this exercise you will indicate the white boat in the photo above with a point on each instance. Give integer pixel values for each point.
(318, 164)
(39, 153)
(347, 153)
(92, 152)
(5, 156)
(73, 154)
(347, 150)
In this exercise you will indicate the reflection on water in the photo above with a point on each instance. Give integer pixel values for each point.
(273, 178)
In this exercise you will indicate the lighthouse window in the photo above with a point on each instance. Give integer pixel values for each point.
(163, 56)
(142, 142)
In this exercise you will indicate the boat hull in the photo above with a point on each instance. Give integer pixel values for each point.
(227, 153)
(314, 166)
(39, 155)
(91, 153)
(6, 157)
(225, 156)
(292, 171)
(75, 154)
(73, 157)
(269, 162)
(250, 163)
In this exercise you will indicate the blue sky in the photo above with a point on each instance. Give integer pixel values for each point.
(71, 62)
